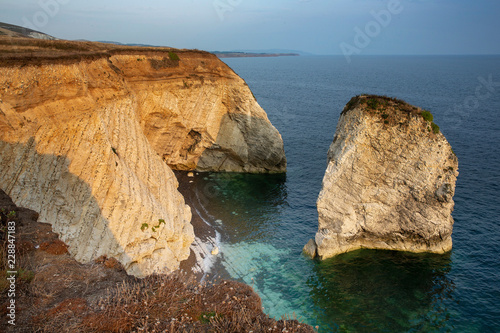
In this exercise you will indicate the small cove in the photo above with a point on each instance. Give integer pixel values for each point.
(265, 220)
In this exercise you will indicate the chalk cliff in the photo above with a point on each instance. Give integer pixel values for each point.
(88, 138)
(198, 114)
(389, 183)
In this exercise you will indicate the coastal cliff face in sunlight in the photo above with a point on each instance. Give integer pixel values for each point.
(87, 141)
(389, 183)
(198, 114)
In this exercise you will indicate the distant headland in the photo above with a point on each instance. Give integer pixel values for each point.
(252, 54)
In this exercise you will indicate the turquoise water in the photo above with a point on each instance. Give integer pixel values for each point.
(265, 220)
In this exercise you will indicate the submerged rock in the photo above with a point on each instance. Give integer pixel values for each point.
(389, 183)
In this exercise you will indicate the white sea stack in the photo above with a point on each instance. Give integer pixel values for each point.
(389, 183)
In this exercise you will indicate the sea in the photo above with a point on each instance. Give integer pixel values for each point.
(263, 221)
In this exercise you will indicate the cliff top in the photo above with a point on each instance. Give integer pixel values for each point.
(376, 102)
(391, 111)
(30, 51)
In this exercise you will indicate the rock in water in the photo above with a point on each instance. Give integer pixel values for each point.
(310, 249)
(389, 183)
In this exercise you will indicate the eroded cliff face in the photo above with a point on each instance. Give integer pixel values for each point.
(82, 142)
(198, 114)
(389, 184)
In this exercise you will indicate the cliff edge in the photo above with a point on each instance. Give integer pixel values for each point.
(89, 133)
(389, 183)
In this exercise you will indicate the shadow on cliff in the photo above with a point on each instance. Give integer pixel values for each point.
(245, 144)
(382, 291)
(43, 183)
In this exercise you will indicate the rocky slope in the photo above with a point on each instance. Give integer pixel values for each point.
(54, 293)
(84, 128)
(17, 31)
(389, 184)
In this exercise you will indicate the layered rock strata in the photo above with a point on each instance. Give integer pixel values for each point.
(389, 183)
(198, 114)
(89, 141)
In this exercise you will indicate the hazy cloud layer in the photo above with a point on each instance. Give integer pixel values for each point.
(316, 26)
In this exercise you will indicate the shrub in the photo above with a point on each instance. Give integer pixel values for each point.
(427, 115)
(166, 62)
(173, 56)
(435, 128)
(25, 275)
(372, 103)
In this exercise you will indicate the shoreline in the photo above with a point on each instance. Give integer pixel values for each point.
(201, 260)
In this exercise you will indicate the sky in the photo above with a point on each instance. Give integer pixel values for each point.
(315, 26)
